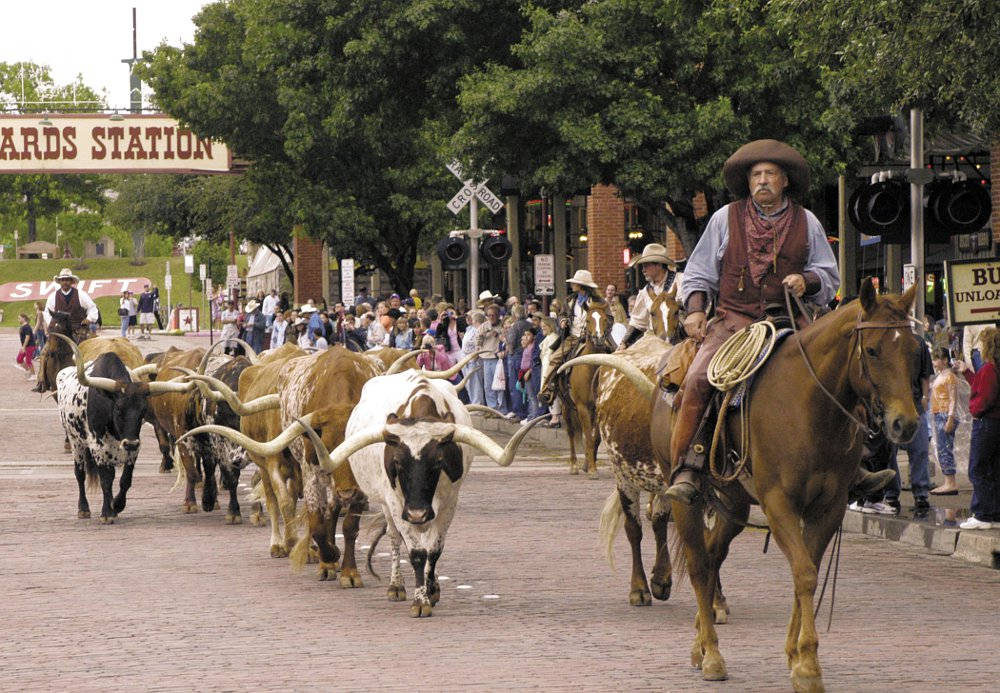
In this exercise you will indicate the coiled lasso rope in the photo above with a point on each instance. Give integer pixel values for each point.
(737, 359)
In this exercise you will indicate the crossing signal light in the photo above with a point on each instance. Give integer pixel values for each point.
(453, 252)
(495, 249)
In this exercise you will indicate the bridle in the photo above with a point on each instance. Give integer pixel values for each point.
(875, 406)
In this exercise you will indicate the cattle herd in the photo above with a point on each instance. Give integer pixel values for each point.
(335, 429)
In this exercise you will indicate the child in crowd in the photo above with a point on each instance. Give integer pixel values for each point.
(27, 339)
(944, 399)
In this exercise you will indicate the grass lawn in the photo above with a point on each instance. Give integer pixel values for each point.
(104, 268)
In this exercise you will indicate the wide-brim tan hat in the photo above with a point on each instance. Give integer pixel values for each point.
(485, 297)
(583, 278)
(252, 306)
(737, 166)
(307, 309)
(654, 252)
(66, 273)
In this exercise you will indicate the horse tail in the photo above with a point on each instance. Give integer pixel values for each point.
(612, 521)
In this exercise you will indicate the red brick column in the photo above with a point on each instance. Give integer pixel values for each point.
(606, 235)
(308, 269)
(995, 190)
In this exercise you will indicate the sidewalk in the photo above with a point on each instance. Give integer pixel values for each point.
(936, 529)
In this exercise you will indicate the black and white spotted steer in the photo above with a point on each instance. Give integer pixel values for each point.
(102, 410)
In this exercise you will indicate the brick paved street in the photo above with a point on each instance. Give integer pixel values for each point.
(166, 601)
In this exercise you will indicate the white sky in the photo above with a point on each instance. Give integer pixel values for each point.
(92, 37)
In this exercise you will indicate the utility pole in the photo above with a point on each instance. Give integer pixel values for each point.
(917, 211)
(134, 85)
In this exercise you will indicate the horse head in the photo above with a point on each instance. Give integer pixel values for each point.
(597, 326)
(887, 357)
(664, 316)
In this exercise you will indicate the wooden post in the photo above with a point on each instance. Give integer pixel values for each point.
(559, 245)
(514, 236)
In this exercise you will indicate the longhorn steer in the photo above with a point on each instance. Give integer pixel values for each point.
(413, 465)
(102, 410)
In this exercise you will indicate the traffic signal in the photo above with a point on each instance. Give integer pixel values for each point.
(495, 249)
(453, 252)
(951, 207)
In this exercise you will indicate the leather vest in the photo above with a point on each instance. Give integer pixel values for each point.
(737, 292)
(70, 303)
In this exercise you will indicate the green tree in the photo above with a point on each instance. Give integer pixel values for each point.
(649, 95)
(27, 88)
(345, 109)
(77, 227)
(936, 55)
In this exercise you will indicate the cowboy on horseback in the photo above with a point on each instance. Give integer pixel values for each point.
(751, 251)
(76, 303)
(579, 305)
(659, 271)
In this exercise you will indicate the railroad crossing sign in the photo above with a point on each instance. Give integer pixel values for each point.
(470, 190)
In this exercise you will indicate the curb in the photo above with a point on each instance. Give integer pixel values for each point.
(974, 546)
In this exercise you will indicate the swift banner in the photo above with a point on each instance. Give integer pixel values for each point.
(38, 291)
(93, 143)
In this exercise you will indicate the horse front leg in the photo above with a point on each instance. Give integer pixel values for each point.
(661, 580)
(802, 642)
(591, 438)
(705, 651)
(639, 594)
(570, 421)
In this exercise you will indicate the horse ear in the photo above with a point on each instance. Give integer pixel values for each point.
(673, 291)
(908, 297)
(867, 297)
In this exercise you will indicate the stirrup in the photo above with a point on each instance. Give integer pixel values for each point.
(683, 492)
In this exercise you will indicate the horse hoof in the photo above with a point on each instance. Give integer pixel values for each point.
(190, 508)
(721, 614)
(713, 668)
(593, 475)
(107, 520)
(396, 593)
(350, 580)
(278, 551)
(418, 610)
(232, 519)
(83, 514)
(807, 684)
(661, 590)
(639, 598)
(327, 571)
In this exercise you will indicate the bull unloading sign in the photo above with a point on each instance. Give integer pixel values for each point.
(973, 291)
(95, 143)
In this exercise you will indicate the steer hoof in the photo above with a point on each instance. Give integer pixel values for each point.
(327, 571)
(721, 614)
(661, 590)
(573, 469)
(418, 610)
(279, 551)
(232, 519)
(593, 474)
(257, 519)
(349, 579)
(166, 467)
(639, 598)
(802, 683)
(434, 595)
(190, 508)
(107, 520)
(396, 593)
(83, 514)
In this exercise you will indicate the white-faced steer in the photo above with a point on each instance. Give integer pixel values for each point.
(102, 409)
(410, 442)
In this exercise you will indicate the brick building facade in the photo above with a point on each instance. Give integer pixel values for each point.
(309, 269)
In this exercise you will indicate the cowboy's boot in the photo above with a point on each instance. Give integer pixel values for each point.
(867, 483)
(687, 476)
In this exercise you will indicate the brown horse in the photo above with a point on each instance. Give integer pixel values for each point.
(804, 456)
(576, 388)
(57, 354)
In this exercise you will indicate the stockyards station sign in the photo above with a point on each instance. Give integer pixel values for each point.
(973, 291)
(94, 143)
(39, 291)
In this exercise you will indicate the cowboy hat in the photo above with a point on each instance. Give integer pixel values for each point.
(306, 308)
(737, 166)
(485, 297)
(66, 273)
(299, 321)
(583, 278)
(654, 252)
(251, 306)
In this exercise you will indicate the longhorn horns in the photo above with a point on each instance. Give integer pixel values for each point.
(112, 385)
(220, 391)
(640, 380)
(434, 375)
(268, 449)
(399, 363)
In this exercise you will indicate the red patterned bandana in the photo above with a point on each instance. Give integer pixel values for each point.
(764, 237)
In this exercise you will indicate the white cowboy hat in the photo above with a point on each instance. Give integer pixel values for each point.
(654, 252)
(485, 297)
(583, 278)
(66, 273)
(299, 321)
(306, 308)
(251, 306)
